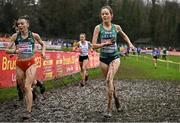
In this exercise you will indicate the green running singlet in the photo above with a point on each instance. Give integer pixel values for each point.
(105, 35)
(26, 46)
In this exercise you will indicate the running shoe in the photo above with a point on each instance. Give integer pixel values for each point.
(20, 93)
(26, 115)
(41, 86)
(82, 84)
(108, 114)
(117, 104)
(86, 78)
(34, 93)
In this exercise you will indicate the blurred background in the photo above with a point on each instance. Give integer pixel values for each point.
(148, 23)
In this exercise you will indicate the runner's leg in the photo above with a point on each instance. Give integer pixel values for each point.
(30, 77)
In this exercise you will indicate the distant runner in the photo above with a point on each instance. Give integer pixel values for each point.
(83, 47)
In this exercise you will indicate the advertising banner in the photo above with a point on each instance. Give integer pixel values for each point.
(56, 64)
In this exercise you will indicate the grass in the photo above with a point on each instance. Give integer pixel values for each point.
(142, 68)
(131, 68)
(7, 94)
(170, 58)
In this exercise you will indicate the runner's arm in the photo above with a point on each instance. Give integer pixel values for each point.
(124, 36)
(95, 37)
(39, 40)
(90, 46)
(8, 49)
(75, 47)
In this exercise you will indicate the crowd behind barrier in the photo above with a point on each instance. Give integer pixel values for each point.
(4, 37)
(56, 64)
(52, 44)
(3, 45)
(126, 50)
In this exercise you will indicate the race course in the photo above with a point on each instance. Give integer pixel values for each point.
(141, 100)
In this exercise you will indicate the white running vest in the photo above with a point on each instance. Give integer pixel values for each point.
(84, 48)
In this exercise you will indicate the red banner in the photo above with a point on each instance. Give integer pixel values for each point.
(56, 64)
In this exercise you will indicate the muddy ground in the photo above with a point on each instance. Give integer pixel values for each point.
(141, 100)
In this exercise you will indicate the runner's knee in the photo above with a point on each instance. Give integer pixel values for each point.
(110, 87)
(84, 69)
(27, 85)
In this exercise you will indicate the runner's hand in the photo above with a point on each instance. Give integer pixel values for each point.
(11, 55)
(107, 43)
(18, 51)
(132, 46)
(113, 40)
(43, 56)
